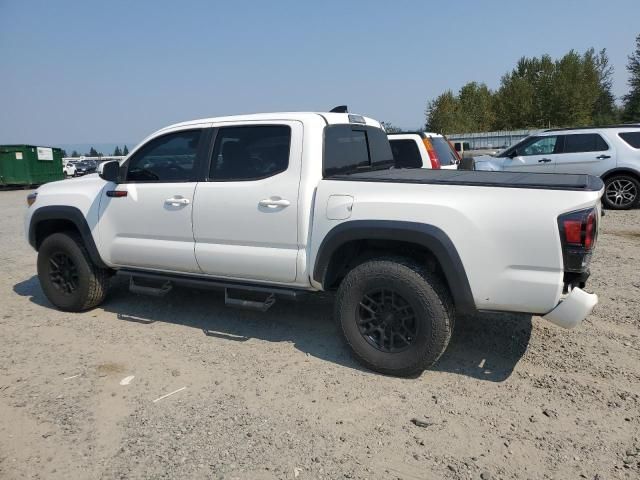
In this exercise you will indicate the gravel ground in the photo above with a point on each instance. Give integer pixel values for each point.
(276, 395)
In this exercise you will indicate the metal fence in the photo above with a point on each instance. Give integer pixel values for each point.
(501, 139)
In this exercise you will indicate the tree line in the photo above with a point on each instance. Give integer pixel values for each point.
(118, 152)
(541, 92)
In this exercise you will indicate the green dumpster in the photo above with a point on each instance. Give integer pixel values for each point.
(29, 165)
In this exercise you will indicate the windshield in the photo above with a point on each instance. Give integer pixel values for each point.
(507, 152)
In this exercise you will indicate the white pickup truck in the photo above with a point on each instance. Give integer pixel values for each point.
(295, 203)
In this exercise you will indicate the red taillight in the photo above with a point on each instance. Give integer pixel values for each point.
(590, 231)
(579, 228)
(578, 232)
(573, 231)
(433, 156)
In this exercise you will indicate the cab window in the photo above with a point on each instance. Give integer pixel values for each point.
(539, 146)
(250, 152)
(169, 158)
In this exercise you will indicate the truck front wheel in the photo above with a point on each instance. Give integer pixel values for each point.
(396, 317)
(67, 275)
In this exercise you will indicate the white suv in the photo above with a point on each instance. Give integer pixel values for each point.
(611, 153)
(423, 150)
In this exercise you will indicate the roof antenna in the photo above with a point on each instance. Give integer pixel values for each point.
(339, 109)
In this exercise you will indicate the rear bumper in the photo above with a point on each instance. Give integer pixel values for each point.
(573, 309)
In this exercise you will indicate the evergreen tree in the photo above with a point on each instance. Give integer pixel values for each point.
(632, 99)
(514, 103)
(574, 90)
(75, 154)
(92, 152)
(605, 110)
(476, 104)
(125, 151)
(443, 114)
(117, 152)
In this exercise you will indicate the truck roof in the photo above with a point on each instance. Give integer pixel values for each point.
(330, 118)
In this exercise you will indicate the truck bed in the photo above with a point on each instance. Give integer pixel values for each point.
(543, 181)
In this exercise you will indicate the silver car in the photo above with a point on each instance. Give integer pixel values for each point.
(611, 153)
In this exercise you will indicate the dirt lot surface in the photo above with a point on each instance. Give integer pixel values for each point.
(276, 395)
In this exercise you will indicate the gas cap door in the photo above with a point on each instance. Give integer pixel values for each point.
(339, 207)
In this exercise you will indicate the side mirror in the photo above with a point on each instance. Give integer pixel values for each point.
(109, 171)
(513, 153)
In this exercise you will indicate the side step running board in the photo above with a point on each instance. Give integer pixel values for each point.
(239, 295)
(148, 290)
(253, 304)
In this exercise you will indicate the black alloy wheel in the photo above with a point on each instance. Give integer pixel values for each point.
(63, 273)
(387, 321)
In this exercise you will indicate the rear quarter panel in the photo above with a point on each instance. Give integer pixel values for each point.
(507, 238)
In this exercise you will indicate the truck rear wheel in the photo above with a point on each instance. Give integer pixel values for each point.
(67, 275)
(396, 317)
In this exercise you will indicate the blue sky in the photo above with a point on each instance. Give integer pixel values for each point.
(103, 72)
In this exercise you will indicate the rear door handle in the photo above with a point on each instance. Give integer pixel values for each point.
(177, 201)
(544, 160)
(274, 202)
(603, 157)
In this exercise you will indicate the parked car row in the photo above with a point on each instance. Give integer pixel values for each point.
(611, 153)
(77, 168)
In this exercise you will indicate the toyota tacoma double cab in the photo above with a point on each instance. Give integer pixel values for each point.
(288, 204)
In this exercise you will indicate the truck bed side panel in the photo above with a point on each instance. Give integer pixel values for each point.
(507, 238)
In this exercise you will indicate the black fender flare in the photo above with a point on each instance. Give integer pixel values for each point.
(70, 214)
(428, 236)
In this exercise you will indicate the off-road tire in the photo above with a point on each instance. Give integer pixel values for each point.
(625, 181)
(428, 297)
(92, 281)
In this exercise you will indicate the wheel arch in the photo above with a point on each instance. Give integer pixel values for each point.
(60, 218)
(620, 171)
(342, 244)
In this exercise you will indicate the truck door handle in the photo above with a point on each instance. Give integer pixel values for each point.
(544, 160)
(603, 157)
(177, 201)
(274, 202)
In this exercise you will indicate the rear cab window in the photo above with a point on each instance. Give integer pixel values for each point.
(631, 138)
(250, 152)
(350, 148)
